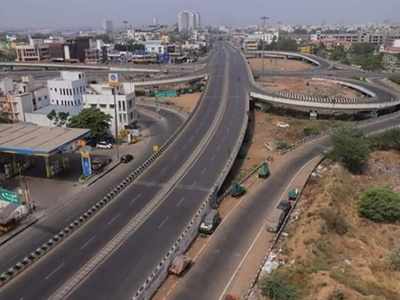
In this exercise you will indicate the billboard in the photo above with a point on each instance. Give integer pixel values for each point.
(86, 162)
(9, 196)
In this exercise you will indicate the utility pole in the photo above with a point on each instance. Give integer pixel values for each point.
(114, 91)
(264, 21)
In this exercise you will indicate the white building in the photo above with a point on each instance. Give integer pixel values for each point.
(68, 90)
(188, 21)
(154, 47)
(100, 96)
(20, 98)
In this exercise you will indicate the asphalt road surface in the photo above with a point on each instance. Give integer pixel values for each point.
(122, 273)
(219, 261)
(18, 247)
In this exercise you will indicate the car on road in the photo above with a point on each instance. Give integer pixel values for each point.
(179, 265)
(126, 158)
(210, 222)
(104, 145)
(98, 163)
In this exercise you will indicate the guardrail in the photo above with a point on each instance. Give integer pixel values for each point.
(159, 274)
(170, 80)
(292, 99)
(58, 238)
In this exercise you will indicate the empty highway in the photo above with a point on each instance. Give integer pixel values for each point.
(202, 160)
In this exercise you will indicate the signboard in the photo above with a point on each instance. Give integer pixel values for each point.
(165, 94)
(86, 162)
(9, 196)
(113, 79)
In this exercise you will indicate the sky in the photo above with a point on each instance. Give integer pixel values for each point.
(65, 13)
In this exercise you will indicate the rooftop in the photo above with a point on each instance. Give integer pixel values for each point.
(27, 139)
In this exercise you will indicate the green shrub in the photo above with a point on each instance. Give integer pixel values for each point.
(387, 140)
(334, 221)
(276, 287)
(380, 205)
(309, 131)
(282, 145)
(351, 148)
(394, 259)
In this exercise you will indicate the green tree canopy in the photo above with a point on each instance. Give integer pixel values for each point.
(380, 205)
(351, 148)
(93, 119)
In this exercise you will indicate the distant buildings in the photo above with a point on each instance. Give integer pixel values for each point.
(34, 51)
(108, 27)
(377, 38)
(188, 21)
(391, 56)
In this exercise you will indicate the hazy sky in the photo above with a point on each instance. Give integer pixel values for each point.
(55, 13)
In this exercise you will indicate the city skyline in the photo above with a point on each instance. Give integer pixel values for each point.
(46, 13)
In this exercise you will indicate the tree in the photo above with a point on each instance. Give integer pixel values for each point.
(59, 119)
(351, 148)
(93, 119)
(380, 205)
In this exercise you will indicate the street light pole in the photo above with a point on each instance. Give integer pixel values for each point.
(114, 91)
(264, 20)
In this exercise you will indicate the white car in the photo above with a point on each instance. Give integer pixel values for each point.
(104, 145)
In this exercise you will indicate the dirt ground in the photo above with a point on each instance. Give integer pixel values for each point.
(260, 147)
(353, 266)
(186, 102)
(268, 137)
(275, 64)
(307, 87)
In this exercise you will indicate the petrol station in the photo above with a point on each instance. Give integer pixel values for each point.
(21, 143)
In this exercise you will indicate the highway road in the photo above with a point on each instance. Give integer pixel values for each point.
(232, 239)
(125, 270)
(59, 217)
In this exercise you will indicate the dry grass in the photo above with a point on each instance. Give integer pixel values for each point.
(356, 263)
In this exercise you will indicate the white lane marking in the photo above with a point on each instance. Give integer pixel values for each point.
(180, 202)
(54, 271)
(113, 219)
(134, 199)
(163, 222)
(203, 171)
(87, 242)
(262, 229)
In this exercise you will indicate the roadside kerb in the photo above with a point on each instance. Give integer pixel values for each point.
(34, 256)
(143, 215)
(319, 159)
(158, 275)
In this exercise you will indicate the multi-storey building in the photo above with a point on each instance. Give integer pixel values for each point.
(68, 90)
(188, 21)
(101, 96)
(35, 51)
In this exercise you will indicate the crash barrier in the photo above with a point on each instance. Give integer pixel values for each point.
(159, 274)
(331, 103)
(42, 250)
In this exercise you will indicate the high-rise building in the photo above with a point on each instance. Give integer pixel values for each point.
(108, 26)
(188, 21)
(197, 20)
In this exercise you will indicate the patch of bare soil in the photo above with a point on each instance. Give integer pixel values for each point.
(276, 64)
(327, 265)
(307, 86)
(186, 102)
